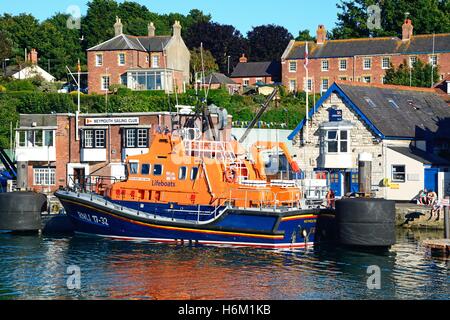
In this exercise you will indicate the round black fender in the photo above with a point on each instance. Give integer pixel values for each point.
(365, 222)
(21, 211)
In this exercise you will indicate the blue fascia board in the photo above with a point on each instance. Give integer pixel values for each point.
(335, 89)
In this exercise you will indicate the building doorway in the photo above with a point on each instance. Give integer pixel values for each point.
(79, 178)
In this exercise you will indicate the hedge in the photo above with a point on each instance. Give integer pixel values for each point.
(243, 108)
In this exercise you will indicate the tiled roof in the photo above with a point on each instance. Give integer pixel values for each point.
(218, 78)
(420, 155)
(393, 111)
(154, 44)
(126, 42)
(399, 112)
(257, 69)
(371, 46)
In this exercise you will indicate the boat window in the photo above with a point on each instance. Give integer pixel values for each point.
(134, 167)
(145, 168)
(194, 173)
(157, 169)
(182, 173)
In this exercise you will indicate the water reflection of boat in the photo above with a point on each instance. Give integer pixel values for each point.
(188, 189)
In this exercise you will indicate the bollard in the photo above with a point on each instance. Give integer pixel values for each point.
(447, 219)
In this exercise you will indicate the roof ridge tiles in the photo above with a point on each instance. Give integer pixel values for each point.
(385, 86)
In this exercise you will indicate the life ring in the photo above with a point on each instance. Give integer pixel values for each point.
(231, 175)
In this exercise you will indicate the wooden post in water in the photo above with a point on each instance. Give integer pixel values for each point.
(365, 174)
(446, 219)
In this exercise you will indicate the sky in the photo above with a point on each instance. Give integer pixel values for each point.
(294, 15)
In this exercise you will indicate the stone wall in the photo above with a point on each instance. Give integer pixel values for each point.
(361, 140)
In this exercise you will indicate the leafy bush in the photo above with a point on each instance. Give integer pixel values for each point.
(243, 108)
(20, 85)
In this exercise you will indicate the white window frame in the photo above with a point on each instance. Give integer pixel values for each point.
(292, 66)
(99, 60)
(119, 59)
(155, 64)
(339, 141)
(340, 64)
(367, 66)
(383, 60)
(322, 87)
(100, 139)
(88, 138)
(246, 82)
(130, 138)
(404, 173)
(142, 138)
(44, 176)
(411, 62)
(325, 65)
(103, 83)
(432, 60)
(292, 85)
(308, 84)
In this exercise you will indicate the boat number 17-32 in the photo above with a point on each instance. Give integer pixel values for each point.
(93, 219)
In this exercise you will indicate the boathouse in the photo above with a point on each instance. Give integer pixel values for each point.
(403, 131)
(54, 150)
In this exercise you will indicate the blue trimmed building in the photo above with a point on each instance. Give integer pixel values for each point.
(403, 130)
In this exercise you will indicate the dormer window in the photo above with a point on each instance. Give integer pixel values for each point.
(335, 140)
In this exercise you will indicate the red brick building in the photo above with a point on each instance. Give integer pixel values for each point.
(361, 60)
(54, 155)
(249, 73)
(139, 62)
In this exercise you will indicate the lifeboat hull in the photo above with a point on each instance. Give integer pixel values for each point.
(265, 228)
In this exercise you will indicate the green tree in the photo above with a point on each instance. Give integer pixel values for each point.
(22, 30)
(305, 35)
(5, 48)
(267, 42)
(59, 46)
(97, 25)
(419, 75)
(231, 42)
(428, 16)
(209, 62)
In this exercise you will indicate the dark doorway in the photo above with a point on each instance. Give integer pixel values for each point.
(348, 183)
(79, 178)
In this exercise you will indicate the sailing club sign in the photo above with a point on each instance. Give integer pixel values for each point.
(335, 115)
(111, 121)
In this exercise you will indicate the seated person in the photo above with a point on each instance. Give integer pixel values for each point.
(432, 197)
(422, 198)
(436, 209)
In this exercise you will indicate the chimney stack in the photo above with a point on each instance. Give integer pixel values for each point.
(321, 34)
(177, 29)
(118, 27)
(32, 57)
(407, 30)
(151, 29)
(243, 59)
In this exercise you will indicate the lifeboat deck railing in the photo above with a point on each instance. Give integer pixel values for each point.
(234, 198)
(218, 150)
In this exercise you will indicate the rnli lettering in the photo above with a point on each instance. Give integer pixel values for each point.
(156, 183)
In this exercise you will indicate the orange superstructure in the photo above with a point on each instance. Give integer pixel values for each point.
(195, 172)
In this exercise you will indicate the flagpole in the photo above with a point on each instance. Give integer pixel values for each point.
(307, 91)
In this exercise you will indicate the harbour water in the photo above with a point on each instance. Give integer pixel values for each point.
(35, 267)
